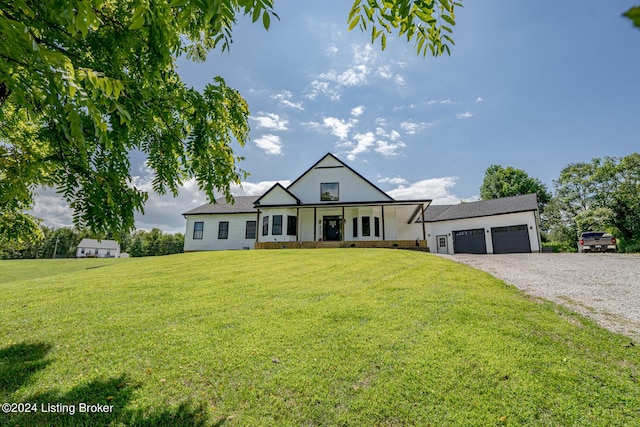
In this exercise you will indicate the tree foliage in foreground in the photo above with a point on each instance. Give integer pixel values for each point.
(506, 182)
(601, 195)
(89, 81)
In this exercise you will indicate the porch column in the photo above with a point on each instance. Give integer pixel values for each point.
(424, 231)
(315, 227)
(297, 224)
(257, 225)
(383, 235)
(342, 226)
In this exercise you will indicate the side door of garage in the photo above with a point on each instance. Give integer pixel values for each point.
(510, 240)
(469, 241)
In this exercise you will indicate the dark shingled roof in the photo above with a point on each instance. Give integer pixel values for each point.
(505, 205)
(242, 204)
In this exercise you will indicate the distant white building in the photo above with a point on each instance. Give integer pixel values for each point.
(91, 248)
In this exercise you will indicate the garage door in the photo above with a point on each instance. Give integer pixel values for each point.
(508, 240)
(469, 241)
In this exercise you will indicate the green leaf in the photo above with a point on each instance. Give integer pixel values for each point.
(353, 23)
(266, 20)
(634, 15)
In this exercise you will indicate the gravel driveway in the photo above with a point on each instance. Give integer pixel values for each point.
(603, 287)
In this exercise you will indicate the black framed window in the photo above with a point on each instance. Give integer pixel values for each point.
(223, 230)
(292, 225)
(265, 225)
(366, 226)
(329, 192)
(250, 230)
(376, 226)
(198, 229)
(277, 225)
(355, 227)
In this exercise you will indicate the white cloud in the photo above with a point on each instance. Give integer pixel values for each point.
(437, 189)
(381, 121)
(465, 115)
(271, 144)
(255, 188)
(285, 99)
(354, 76)
(411, 128)
(384, 72)
(393, 135)
(479, 99)
(395, 181)
(331, 50)
(322, 88)
(388, 149)
(364, 142)
(51, 207)
(357, 111)
(337, 127)
(270, 121)
(356, 73)
(399, 80)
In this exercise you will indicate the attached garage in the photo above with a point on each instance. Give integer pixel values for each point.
(506, 225)
(510, 240)
(469, 241)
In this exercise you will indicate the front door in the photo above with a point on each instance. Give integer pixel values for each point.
(442, 244)
(331, 230)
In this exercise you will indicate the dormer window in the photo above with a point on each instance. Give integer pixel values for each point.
(329, 192)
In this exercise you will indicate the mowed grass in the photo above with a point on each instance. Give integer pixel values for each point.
(344, 337)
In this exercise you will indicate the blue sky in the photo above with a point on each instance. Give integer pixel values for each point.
(530, 86)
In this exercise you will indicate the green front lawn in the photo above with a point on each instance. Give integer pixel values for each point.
(353, 337)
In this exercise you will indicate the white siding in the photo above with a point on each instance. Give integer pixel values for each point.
(270, 237)
(487, 222)
(277, 196)
(352, 188)
(209, 242)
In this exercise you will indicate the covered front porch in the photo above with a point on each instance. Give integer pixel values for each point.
(363, 225)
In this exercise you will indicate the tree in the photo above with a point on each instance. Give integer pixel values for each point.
(505, 182)
(93, 80)
(602, 193)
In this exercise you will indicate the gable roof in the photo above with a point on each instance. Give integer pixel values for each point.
(94, 244)
(504, 205)
(242, 204)
(278, 190)
(342, 164)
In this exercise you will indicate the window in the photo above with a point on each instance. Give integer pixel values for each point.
(366, 226)
(223, 230)
(198, 228)
(265, 226)
(277, 225)
(442, 242)
(329, 192)
(355, 227)
(376, 226)
(250, 231)
(292, 225)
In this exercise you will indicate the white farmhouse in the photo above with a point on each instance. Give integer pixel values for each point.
(91, 248)
(332, 205)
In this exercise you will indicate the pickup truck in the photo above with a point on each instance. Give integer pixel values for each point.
(596, 241)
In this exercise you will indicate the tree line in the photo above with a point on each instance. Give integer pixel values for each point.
(63, 242)
(600, 195)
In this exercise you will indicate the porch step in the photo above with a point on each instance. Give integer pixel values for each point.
(336, 244)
